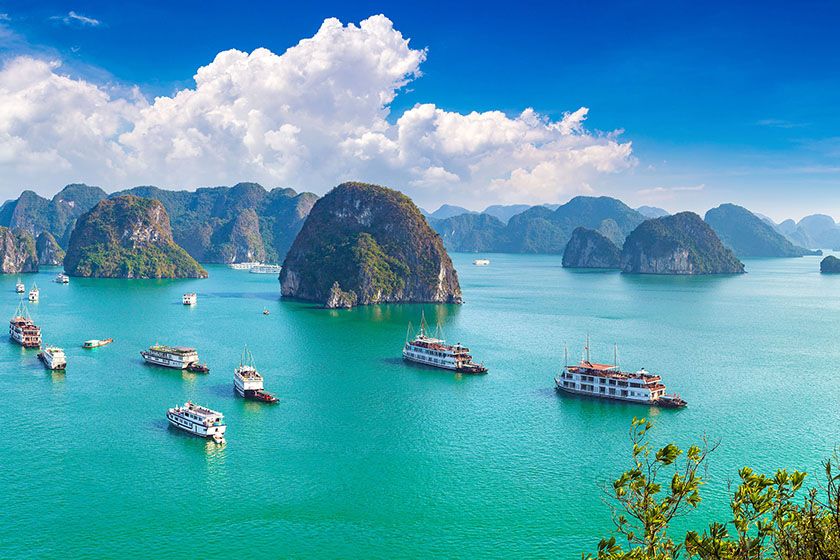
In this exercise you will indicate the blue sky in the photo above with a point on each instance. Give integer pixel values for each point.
(722, 102)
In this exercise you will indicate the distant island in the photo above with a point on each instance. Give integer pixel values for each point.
(127, 237)
(750, 236)
(589, 249)
(679, 244)
(364, 244)
(830, 265)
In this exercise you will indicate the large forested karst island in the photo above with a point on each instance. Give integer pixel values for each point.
(679, 244)
(363, 244)
(750, 236)
(17, 252)
(127, 237)
(589, 249)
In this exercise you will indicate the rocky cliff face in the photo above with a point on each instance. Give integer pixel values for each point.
(678, 244)
(589, 249)
(48, 250)
(17, 252)
(750, 236)
(233, 224)
(364, 244)
(128, 237)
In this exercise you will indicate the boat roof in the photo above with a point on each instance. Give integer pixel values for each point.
(172, 349)
(599, 367)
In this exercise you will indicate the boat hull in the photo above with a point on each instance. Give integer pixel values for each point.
(474, 370)
(569, 391)
(163, 362)
(61, 366)
(195, 428)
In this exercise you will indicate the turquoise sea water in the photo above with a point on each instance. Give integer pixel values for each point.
(366, 456)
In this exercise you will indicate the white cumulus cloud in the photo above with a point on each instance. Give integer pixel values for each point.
(309, 118)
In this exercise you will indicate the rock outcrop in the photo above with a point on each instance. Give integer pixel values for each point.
(750, 236)
(49, 251)
(679, 244)
(830, 265)
(128, 237)
(589, 249)
(17, 252)
(364, 244)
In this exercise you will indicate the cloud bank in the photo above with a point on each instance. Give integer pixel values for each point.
(309, 118)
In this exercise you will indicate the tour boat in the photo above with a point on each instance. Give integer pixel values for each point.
(198, 420)
(96, 343)
(34, 293)
(607, 381)
(433, 351)
(244, 265)
(265, 269)
(481, 262)
(19, 287)
(266, 312)
(177, 357)
(22, 330)
(248, 382)
(53, 358)
(189, 299)
(62, 279)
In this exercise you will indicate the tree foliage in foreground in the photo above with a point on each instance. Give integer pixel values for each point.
(772, 516)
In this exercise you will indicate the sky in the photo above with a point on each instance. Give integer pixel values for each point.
(681, 105)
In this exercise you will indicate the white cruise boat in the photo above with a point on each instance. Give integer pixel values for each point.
(34, 293)
(177, 357)
(607, 381)
(53, 358)
(481, 262)
(62, 279)
(23, 330)
(433, 351)
(265, 269)
(190, 298)
(198, 420)
(248, 382)
(244, 266)
(19, 287)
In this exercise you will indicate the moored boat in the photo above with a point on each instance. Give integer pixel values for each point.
(96, 343)
(62, 279)
(481, 262)
(23, 330)
(189, 298)
(247, 381)
(177, 357)
(265, 269)
(53, 358)
(244, 265)
(198, 420)
(19, 287)
(607, 381)
(34, 293)
(433, 351)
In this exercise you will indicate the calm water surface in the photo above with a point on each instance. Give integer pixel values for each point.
(366, 456)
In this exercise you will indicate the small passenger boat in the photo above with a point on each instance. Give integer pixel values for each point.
(96, 343)
(198, 420)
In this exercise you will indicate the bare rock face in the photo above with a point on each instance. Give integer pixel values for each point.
(363, 244)
(49, 252)
(589, 249)
(678, 244)
(17, 252)
(127, 237)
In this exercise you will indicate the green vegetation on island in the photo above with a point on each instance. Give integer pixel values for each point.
(679, 244)
(364, 244)
(128, 237)
(589, 249)
(772, 517)
(49, 251)
(750, 236)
